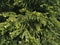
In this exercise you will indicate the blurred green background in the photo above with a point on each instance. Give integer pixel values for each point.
(29, 22)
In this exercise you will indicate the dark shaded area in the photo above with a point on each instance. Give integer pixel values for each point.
(17, 38)
(58, 18)
(3, 19)
(16, 9)
(6, 5)
(35, 5)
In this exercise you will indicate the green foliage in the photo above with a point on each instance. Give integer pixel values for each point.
(29, 22)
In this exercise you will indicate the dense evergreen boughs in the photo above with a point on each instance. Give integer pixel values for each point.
(29, 22)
